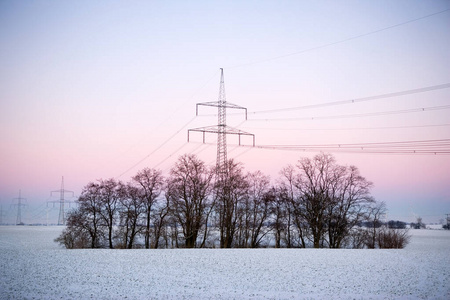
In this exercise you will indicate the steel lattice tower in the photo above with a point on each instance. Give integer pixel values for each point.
(221, 134)
(19, 208)
(222, 129)
(62, 191)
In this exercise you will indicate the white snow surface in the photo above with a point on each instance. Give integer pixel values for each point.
(33, 266)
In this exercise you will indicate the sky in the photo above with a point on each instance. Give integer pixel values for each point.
(102, 89)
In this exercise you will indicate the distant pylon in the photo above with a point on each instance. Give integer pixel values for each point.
(19, 208)
(222, 129)
(62, 191)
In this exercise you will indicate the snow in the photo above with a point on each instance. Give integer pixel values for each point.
(33, 266)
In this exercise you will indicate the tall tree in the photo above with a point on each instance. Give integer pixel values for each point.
(109, 192)
(288, 195)
(149, 183)
(229, 192)
(332, 198)
(261, 198)
(313, 182)
(159, 220)
(188, 190)
(350, 204)
(132, 208)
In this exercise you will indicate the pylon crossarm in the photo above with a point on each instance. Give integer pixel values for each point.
(227, 130)
(216, 104)
(216, 129)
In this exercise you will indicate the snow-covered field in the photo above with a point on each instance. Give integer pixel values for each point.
(32, 266)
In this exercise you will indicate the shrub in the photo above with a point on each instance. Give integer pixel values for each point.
(392, 238)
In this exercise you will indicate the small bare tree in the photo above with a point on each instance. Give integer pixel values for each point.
(85, 225)
(374, 220)
(77, 233)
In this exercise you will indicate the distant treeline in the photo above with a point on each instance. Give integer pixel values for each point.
(316, 203)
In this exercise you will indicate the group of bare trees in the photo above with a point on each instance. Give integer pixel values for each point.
(316, 203)
(113, 214)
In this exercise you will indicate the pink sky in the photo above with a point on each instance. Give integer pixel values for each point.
(88, 90)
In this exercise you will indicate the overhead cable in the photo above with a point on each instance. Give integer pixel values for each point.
(356, 100)
(374, 114)
(338, 42)
(157, 148)
(434, 147)
(419, 147)
(348, 101)
(350, 128)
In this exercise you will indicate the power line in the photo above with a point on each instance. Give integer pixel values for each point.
(419, 147)
(382, 113)
(156, 149)
(356, 100)
(350, 128)
(375, 145)
(370, 98)
(170, 155)
(404, 147)
(340, 41)
(173, 112)
(351, 101)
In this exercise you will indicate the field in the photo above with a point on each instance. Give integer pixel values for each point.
(32, 266)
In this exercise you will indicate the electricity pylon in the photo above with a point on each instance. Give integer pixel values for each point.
(19, 208)
(221, 129)
(61, 201)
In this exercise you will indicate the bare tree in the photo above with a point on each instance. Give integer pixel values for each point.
(85, 224)
(259, 206)
(350, 203)
(331, 198)
(132, 208)
(289, 197)
(316, 203)
(159, 220)
(188, 190)
(280, 217)
(229, 192)
(77, 233)
(150, 183)
(109, 192)
(313, 183)
(374, 220)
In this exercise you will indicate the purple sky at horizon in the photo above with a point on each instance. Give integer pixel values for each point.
(92, 90)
